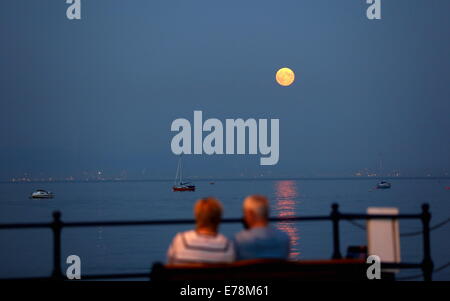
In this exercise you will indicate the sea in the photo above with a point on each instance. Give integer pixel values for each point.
(133, 249)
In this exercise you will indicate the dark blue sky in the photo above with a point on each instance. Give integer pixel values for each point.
(101, 93)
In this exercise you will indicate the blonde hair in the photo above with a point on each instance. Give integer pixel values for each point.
(208, 212)
(258, 204)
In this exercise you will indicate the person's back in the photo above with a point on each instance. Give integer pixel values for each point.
(192, 247)
(204, 244)
(260, 240)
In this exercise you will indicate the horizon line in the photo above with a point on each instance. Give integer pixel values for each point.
(237, 179)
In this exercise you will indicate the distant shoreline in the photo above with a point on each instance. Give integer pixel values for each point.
(240, 179)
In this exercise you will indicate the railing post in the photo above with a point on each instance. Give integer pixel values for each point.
(335, 216)
(56, 228)
(427, 263)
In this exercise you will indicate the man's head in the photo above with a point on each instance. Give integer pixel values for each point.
(208, 213)
(256, 211)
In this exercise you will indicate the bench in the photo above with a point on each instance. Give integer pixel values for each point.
(264, 269)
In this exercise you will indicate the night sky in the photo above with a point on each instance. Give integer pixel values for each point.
(102, 92)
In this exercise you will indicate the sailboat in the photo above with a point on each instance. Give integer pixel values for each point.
(179, 185)
(383, 184)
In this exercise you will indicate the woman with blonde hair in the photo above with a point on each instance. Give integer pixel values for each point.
(204, 244)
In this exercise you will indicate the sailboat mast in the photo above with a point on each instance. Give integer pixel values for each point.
(178, 171)
(381, 164)
(181, 171)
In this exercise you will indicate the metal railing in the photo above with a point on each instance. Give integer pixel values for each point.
(57, 225)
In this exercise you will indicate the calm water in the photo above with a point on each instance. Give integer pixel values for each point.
(134, 249)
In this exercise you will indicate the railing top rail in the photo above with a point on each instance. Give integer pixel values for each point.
(348, 216)
(25, 225)
(379, 216)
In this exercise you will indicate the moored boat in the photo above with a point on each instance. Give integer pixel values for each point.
(183, 187)
(383, 185)
(179, 185)
(42, 194)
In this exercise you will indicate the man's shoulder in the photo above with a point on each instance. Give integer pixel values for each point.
(268, 232)
(273, 231)
(242, 235)
(249, 235)
(281, 234)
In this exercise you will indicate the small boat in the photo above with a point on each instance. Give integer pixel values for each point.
(42, 194)
(184, 187)
(383, 185)
(179, 185)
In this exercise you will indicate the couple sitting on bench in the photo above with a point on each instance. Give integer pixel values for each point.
(206, 245)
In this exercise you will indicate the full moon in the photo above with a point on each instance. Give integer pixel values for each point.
(285, 76)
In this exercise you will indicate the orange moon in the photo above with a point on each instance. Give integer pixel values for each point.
(285, 76)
